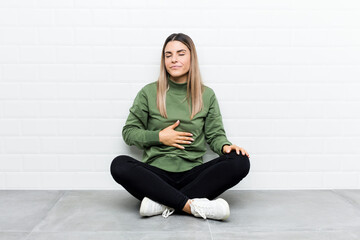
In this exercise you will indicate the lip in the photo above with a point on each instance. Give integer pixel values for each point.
(175, 66)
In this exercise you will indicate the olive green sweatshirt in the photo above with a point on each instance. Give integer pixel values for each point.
(144, 123)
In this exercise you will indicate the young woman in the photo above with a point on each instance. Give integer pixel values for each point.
(172, 119)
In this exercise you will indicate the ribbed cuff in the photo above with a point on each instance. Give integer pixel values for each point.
(152, 137)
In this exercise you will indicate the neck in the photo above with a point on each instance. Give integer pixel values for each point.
(181, 79)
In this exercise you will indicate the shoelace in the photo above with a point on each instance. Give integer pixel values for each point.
(201, 210)
(167, 212)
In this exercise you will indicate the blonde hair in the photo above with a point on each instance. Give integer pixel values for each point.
(195, 86)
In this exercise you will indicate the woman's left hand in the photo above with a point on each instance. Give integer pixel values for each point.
(228, 149)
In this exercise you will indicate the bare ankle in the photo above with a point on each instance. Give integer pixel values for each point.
(187, 208)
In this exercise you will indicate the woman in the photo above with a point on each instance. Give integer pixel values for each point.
(172, 119)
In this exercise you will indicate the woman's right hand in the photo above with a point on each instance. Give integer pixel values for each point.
(170, 137)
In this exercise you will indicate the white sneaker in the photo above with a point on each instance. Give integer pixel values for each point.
(150, 208)
(216, 209)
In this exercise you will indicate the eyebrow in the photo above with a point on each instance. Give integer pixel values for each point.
(177, 51)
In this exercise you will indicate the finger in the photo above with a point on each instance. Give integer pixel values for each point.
(183, 142)
(186, 138)
(178, 146)
(185, 134)
(175, 124)
(246, 153)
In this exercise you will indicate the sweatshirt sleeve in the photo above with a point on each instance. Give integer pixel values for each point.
(135, 130)
(214, 130)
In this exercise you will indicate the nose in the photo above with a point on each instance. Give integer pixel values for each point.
(173, 59)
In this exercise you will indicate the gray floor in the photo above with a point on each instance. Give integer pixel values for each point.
(105, 215)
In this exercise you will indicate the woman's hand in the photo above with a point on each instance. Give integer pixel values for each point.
(170, 137)
(228, 149)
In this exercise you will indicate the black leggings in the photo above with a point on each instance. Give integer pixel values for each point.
(174, 189)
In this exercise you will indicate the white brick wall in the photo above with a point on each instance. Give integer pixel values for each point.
(285, 72)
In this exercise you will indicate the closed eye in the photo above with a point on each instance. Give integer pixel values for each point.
(179, 55)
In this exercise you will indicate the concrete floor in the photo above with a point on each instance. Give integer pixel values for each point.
(105, 215)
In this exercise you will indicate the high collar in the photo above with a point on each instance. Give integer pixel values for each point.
(177, 86)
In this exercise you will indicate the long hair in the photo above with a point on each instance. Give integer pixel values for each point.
(195, 86)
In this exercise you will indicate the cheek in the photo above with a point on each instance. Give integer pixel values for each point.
(167, 63)
(188, 65)
(187, 62)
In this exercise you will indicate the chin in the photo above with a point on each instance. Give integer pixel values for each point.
(177, 74)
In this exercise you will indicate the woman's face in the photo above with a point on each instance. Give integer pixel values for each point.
(177, 60)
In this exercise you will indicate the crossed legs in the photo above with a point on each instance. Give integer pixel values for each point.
(175, 190)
